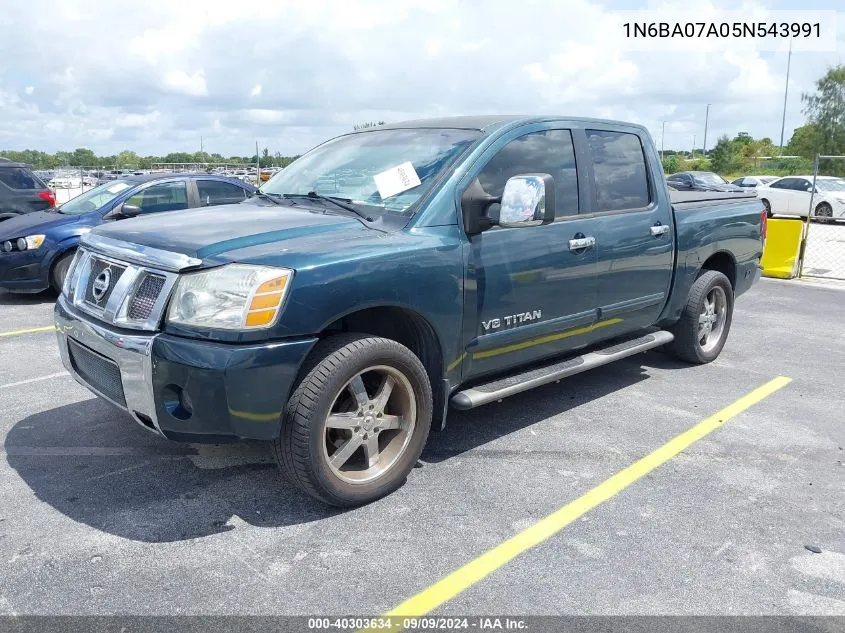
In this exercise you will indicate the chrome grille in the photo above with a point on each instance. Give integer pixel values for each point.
(103, 273)
(142, 302)
(131, 296)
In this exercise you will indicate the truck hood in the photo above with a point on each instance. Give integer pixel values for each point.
(35, 223)
(212, 232)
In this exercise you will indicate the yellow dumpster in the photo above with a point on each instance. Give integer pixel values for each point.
(783, 246)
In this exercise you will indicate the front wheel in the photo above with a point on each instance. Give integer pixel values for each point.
(59, 272)
(702, 330)
(356, 424)
(824, 212)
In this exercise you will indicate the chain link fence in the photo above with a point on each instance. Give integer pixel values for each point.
(823, 249)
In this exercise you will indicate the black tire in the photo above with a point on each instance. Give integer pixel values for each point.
(300, 448)
(59, 272)
(824, 212)
(687, 345)
(768, 206)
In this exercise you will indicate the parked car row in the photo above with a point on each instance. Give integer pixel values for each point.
(787, 195)
(36, 246)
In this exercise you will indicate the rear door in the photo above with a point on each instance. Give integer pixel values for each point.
(528, 295)
(214, 192)
(778, 194)
(799, 196)
(635, 234)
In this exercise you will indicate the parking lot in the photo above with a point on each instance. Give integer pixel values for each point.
(98, 516)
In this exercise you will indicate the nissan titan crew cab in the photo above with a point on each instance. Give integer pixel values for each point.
(393, 272)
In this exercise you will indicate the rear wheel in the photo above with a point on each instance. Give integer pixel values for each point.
(703, 328)
(59, 272)
(356, 425)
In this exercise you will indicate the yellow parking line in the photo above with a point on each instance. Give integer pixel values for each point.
(46, 328)
(463, 578)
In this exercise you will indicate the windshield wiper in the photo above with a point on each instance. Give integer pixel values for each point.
(267, 196)
(343, 203)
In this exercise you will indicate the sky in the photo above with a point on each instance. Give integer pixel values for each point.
(158, 76)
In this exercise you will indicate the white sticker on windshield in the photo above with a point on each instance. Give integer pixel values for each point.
(117, 187)
(396, 180)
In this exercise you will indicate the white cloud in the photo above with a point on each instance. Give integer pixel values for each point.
(157, 75)
(29, 90)
(181, 82)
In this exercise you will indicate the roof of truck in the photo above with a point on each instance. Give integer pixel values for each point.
(485, 122)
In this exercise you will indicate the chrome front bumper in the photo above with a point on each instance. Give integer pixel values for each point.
(131, 353)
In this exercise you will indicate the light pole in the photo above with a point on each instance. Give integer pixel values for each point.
(785, 93)
(692, 153)
(662, 136)
(706, 119)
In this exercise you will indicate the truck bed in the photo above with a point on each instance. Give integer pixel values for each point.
(682, 200)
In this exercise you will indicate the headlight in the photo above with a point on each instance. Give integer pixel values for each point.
(34, 241)
(233, 297)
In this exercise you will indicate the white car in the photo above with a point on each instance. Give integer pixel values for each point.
(754, 181)
(791, 196)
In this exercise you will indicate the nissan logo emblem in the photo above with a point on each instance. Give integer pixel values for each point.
(101, 285)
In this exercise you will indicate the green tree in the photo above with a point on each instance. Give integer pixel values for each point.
(723, 159)
(806, 141)
(825, 109)
(83, 157)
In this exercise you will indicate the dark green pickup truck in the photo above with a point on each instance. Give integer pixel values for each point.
(390, 273)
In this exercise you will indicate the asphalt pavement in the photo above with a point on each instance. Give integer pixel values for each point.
(99, 516)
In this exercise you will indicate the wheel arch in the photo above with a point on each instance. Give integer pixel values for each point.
(405, 326)
(723, 262)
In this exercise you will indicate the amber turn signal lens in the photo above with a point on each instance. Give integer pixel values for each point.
(262, 302)
(262, 317)
(274, 285)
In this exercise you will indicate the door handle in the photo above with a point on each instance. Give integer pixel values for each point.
(581, 243)
(659, 229)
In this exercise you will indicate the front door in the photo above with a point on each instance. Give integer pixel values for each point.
(635, 232)
(528, 295)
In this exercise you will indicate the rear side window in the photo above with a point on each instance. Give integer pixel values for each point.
(169, 196)
(214, 192)
(20, 178)
(547, 152)
(619, 169)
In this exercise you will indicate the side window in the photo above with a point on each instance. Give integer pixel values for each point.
(620, 171)
(788, 183)
(778, 184)
(547, 152)
(806, 185)
(214, 192)
(18, 178)
(168, 196)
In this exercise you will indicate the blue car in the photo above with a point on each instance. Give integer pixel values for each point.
(37, 248)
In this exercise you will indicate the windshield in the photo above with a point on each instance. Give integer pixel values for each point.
(388, 169)
(96, 198)
(710, 178)
(834, 184)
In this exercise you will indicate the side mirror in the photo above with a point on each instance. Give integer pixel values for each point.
(123, 211)
(528, 200)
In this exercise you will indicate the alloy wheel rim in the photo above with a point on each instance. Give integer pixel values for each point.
(369, 425)
(712, 319)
